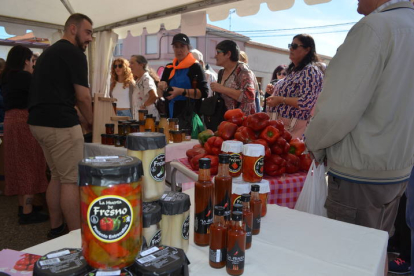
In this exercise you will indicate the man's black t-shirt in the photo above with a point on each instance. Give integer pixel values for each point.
(52, 95)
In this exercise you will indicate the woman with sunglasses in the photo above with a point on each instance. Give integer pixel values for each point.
(122, 86)
(294, 97)
(236, 82)
(278, 74)
(145, 90)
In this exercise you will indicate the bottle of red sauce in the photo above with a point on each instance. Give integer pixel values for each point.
(223, 185)
(218, 239)
(247, 218)
(253, 162)
(204, 197)
(256, 206)
(236, 246)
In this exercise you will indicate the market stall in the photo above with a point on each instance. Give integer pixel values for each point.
(290, 243)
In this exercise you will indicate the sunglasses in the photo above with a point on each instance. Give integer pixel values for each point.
(294, 46)
(119, 66)
(219, 51)
(280, 73)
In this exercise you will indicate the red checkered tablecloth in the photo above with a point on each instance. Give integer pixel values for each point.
(284, 190)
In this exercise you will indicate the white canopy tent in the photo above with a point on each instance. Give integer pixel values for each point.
(113, 19)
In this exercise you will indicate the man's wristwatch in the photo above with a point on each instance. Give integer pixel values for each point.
(184, 93)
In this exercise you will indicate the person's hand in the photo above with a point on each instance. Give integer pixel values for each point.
(175, 92)
(162, 85)
(216, 87)
(274, 101)
(269, 89)
(143, 107)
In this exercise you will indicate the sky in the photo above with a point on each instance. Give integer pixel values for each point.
(266, 26)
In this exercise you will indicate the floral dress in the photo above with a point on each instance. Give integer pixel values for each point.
(242, 78)
(141, 94)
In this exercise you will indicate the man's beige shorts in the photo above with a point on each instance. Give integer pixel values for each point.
(368, 205)
(63, 149)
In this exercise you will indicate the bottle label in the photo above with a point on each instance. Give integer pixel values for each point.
(110, 218)
(157, 167)
(235, 163)
(235, 258)
(237, 200)
(256, 222)
(258, 167)
(204, 219)
(217, 255)
(225, 202)
(186, 228)
(248, 233)
(156, 240)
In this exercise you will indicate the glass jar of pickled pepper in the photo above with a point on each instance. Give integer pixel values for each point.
(111, 226)
(234, 149)
(109, 128)
(253, 158)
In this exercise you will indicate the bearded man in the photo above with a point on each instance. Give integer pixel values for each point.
(60, 82)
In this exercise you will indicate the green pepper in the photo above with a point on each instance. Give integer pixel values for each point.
(117, 223)
(204, 135)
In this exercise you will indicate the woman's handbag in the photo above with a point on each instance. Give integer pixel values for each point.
(213, 108)
(313, 196)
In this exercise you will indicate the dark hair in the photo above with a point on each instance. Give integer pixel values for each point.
(230, 46)
(76, 19)
(307, 42)
(16, 59)
(278, 69)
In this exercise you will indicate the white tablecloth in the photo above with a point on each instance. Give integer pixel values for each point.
(290, 243)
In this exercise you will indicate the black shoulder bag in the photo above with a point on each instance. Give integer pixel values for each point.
(213, 108)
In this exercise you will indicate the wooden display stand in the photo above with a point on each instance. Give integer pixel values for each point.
(103, 113)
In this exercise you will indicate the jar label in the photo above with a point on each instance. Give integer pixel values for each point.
(110, 218)
(258, 167)
(157, 167)
(156, 240)
(185, 229)
(204, 219)
(235, 258)
(217, 255)
(235, 163)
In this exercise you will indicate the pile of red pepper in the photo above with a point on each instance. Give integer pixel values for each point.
(282, 153)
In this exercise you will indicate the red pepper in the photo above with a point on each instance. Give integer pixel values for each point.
(292, 163)
(297, 146)
(213, 145)
(270, 134)
(274, 165)
(194, 161)
(245, 135)
(280, 146)
(263, 142)
(234, 116)
(213, 164)
(194, 151)
(106, 224)
(305, 161)
(286, 134)
(258, 121)
(278, 124)
(226, 130)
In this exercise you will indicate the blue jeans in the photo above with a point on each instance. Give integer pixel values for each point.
(410, 213)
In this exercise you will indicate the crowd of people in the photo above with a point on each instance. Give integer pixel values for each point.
(355, 115)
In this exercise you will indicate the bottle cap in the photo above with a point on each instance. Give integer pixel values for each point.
(237, 207)
(232, 146)
(255, 188)
(245, 198)
(204, 163)
(218, 210)
(237, 216)
(224, 158)
(253, 150)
